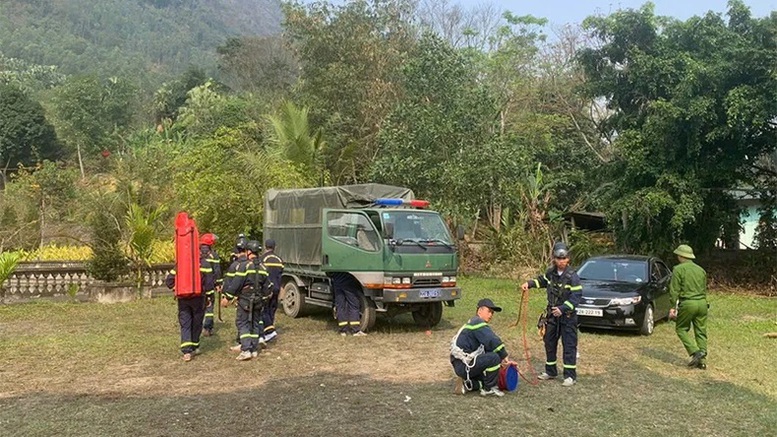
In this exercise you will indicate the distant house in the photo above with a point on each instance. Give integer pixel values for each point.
(748, 200)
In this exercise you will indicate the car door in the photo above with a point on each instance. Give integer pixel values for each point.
(660, 276)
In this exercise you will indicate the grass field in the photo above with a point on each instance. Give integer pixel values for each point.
(92, 369)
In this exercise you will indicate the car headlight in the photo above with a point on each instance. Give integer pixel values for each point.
(406, 281)
(626, 300)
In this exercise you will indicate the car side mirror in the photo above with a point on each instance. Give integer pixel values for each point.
(460, 232)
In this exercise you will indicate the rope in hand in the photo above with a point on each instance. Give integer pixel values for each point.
(523, 309)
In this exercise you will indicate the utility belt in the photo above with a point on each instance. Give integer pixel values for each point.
(250, 302)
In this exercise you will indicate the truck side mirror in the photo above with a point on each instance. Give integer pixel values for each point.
(460, 232)
(388, 231)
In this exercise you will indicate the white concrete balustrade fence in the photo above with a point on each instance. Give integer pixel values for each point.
(65, 280)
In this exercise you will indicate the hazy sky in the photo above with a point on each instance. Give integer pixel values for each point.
(571, 11)
(574, 11)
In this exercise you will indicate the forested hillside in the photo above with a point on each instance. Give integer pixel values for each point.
(131, 38)
(502, 122)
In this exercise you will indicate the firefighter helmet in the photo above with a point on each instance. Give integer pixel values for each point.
(254, 246)
(209, 239)
(560, 250)
(241, 243)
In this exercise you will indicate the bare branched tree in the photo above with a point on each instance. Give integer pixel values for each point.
(473, 27)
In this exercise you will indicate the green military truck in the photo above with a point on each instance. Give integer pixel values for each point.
(400, 252)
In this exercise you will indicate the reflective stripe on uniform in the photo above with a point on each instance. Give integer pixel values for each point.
(249, 335)
(189, 343)
(206, 269)
(473, 327)
(569, 304)
(569, 366)
(342, 323)
(355, 323)
(550, 363)
(500, 347)
(574, 288)
(252, 271)
(536, 283)
(493, 369)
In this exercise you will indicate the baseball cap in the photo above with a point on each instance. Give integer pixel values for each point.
(488, 303)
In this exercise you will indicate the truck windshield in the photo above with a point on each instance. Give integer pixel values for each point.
(417, 226)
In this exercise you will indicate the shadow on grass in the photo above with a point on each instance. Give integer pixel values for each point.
(402, 323)
(626, 400)
(662, 355)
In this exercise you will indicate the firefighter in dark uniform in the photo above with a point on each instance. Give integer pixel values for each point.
(564, 293)
(249, 287)
(347, 294)
(192, 310)
(238, 256)
(206, 247)
(274, 266)
(477, 353)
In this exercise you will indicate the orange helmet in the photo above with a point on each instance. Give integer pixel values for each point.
(208, 239)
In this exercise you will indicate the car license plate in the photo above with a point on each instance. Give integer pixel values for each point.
(594, 312)
(429, 293)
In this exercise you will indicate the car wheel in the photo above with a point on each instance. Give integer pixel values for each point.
(648, 322)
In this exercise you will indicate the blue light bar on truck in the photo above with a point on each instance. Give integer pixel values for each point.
(400, 202)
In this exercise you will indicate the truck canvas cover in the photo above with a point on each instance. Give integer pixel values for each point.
(293, 218)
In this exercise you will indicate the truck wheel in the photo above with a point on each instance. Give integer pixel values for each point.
(293, 300)
(367, 314)
(428, 315)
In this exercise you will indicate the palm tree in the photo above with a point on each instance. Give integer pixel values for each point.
(291, 135)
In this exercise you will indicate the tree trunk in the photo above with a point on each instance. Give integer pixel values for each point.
(80, 161)
(42, 218)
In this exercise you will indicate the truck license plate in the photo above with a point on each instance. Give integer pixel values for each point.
(429, 293)
(589, 312)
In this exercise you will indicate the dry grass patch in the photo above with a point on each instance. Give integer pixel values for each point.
(90, 369)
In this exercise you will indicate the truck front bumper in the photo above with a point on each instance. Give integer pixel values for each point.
(417, 295)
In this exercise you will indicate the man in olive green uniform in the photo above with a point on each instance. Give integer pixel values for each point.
(688, 291)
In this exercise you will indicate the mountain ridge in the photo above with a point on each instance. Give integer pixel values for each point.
(154, 38)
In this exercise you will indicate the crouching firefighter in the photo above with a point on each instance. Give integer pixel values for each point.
(250, 287)
(477, 353)
(564, 293)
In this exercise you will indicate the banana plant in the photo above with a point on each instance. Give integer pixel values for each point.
(141, 233)
(8, 262)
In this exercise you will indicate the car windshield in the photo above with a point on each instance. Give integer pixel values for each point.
(614, 270)
(413, 225)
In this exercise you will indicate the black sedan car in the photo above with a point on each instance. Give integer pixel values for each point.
(624, 292)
